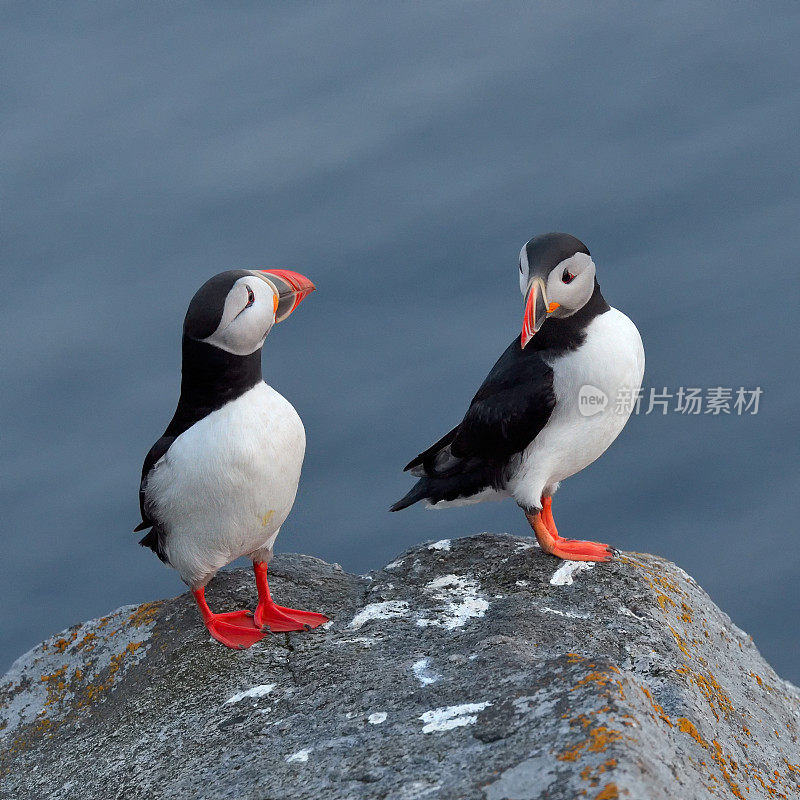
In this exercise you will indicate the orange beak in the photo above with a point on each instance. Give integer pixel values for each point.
(537, 309)
(290, 287)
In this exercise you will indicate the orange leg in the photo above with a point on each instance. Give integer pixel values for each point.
(273, 618)
(544, 527)
(547, 516)
(235, 629)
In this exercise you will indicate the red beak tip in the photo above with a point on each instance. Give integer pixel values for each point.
(297, 281)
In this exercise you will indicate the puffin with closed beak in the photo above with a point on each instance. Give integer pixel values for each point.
(554, 401)
(222, 479)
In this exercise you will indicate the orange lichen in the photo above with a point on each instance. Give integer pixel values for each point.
(663, 600)
(726, 765)
(682, 643)
(761, 683)
(608, 792)
(665, 584)
(596, 677)
(715, 695)
(720, 759)
(144, 614)
(603, 680)
(598, 742)
(95, 690)
(56, 686)
(592, 774)
(62, 644)
(571, 753)
(687, 726)
(59, 673)
(662, 715)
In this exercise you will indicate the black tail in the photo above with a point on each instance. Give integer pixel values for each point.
(452, 487)
(154, 540)
(419, 491)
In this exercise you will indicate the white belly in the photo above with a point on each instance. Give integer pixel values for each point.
(611, 360)
(227, 484)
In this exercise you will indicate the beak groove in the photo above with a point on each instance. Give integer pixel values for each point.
(291, 287)
(536, 310)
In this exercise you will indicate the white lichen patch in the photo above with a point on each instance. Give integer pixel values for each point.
(254, 692)
(300, 757)
(423, 674)
(449, 717)
(628, 613)
(460, 601)
(522, 584)
(378, 718)
(442, 544)
(388, 609)
(570, 614)
(364, 641)
(86, 660)
(565, 573)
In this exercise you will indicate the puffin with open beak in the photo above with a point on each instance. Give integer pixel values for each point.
(556, 399)
(222, 479)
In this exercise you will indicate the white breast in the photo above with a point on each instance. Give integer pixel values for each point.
(227, 484)
(610, 364)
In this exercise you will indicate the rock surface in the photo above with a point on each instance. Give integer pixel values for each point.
(477, 668)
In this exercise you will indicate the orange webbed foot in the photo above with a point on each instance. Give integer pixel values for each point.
(544, 527)
(273, 618)
(234, 629)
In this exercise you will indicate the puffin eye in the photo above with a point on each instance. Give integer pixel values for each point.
(251, 298)
(567, 276)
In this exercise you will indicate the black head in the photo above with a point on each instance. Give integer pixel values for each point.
(542, 254)
(235, 310)
(556, 278)
(208, 304)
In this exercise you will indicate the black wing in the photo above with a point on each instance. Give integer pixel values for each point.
(508, 411)
(154, 539)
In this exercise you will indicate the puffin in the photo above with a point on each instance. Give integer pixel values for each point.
(222, 479)
(551, 405)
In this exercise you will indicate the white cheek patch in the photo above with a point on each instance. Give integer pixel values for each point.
(574, 295)
(577, 265)
(242, 330)
(234, 303)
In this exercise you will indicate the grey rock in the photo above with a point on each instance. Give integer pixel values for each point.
(477, 668)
